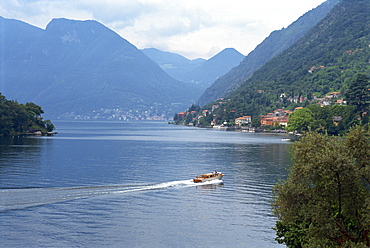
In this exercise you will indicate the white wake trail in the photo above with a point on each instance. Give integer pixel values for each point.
(11, 199)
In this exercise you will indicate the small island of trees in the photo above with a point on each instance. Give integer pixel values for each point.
(19, 119)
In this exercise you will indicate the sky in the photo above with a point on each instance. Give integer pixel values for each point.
(192, 28)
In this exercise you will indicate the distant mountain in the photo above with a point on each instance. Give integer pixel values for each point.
(82, 68)
(174, 64)
(273, 45)
(324, 60)
(215, 67)
(199, 71)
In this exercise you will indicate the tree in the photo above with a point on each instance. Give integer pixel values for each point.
(188, 118)
(348, 117)
(17, 118)
(49, 126)
(358, 94)
(325, 201)
(300, 120)
(194, 108)
(34, 110)
(322, 118)
(176, 118)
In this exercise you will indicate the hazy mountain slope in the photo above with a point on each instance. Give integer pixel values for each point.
(215, 67)
(14, 50)
(77, 67)
(273, 45)
(174, 64)
(199, 71)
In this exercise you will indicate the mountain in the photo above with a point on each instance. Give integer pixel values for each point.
(176, 65)
(323, 61)
(273, 45)
(215, 67)
(199, 71)
(82, 68)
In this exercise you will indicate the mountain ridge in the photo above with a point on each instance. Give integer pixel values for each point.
(75, 68)
(200, 72)
(325, 60)
(274, 44)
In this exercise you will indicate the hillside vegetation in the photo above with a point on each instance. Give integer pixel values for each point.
(272, 46)
(325, 60)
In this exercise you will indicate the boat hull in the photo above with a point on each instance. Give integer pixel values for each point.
(202, 179)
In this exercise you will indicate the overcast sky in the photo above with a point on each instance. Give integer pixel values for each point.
(192, 28)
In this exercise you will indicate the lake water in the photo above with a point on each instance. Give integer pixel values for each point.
(128, 184)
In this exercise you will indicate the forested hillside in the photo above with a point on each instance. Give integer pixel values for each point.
(323, 61)
(273, 45)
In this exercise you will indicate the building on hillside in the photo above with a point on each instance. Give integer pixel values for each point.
(282, 121)
(279, 117)
(269, 120)
(330, 99)
(243, 120)
(340, 102)
(325, 103)
(266, 120)
(337, 119)
(181, 114)
(214, 107)
(316, 68)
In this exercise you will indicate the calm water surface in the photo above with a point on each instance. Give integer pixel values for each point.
(128, 184)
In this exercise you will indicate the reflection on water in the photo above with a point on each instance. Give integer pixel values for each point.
(210, 186)
(20, 160)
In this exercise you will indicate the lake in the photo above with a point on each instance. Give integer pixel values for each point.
(128, 184)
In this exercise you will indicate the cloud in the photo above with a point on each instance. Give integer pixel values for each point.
(169, 19)
(191, 28)
(124, 12)
(40, 12)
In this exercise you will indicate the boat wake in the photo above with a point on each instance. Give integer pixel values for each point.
(11, 199)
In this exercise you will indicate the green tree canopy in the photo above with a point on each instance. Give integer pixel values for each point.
(325, 202)
(300, 120)
(18, 118)
(358, 94)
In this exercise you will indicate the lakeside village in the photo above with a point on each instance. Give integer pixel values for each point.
(118, 115)
(272, 122)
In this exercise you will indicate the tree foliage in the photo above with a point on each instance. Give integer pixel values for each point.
(325, 201)
(300, 120)
(18, 118)
(334, 120)
(358, 94)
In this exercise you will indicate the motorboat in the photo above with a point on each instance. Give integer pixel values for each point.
(208, 177)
